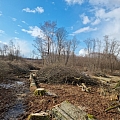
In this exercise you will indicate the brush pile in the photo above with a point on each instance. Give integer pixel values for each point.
(63, 74)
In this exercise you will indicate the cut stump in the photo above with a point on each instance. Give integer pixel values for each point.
(67, 111)
(39, 116)
(40, 91)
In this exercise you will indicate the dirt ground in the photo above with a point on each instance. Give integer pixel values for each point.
(92, 102)
(17, 102)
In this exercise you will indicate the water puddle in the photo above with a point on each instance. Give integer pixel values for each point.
(6, 86)
(11, 85)
(18, 108)
(15, 111)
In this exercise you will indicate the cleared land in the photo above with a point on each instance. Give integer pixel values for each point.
(15, 95)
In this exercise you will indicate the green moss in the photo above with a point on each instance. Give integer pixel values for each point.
(118, 84)
(90, 117)
(39, 92)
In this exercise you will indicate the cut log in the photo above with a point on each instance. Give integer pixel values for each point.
(33, 85)
(39, 116)
(40, 91)
(51, 94)
(67, 111)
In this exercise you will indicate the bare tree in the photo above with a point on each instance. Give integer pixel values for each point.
(88, 43)
(74, 43)
(114, 51)
(49, 31)
(39, 46)
(68, 47)
(11, 50)
(17, 52)
(61, 35)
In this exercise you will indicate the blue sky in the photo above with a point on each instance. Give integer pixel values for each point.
(20, 20)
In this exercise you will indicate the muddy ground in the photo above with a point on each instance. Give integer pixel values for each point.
(13, 94)
(17, 102)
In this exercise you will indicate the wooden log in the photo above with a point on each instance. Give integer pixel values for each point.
(39, 116)
(33, 85)
(51, 94)
(59, 114)
(67, 111)
(33, 70)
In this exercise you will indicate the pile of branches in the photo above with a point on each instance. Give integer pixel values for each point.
(63, 74)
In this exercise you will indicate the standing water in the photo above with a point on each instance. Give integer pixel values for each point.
(18, 107)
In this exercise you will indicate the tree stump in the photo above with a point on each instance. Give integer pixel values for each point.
(40, 91)
(67, 111)
(39, 116)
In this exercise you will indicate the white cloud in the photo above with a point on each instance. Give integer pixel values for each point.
(19, 26)
(37, 9)
(85, 19)
(82, 30)
(1, 32)
(24, 22)
(53, 3)
(112, 28)
(0, 13)
(85, 29)
(25, 48)
(113, 14)
(16, 32)
(110, 22)
(16, 38)
(3, 43)
(107, 3)
(100, 13)
(34, 31)
(14, 19)
(72, 2)
(28, 10)
(96, 22)
(83, 52)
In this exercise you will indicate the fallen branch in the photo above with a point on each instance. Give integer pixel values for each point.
(84, 87)
(112, 107)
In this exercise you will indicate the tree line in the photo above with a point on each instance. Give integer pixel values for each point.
(102, 55)
(54, 47)
(11, 51)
